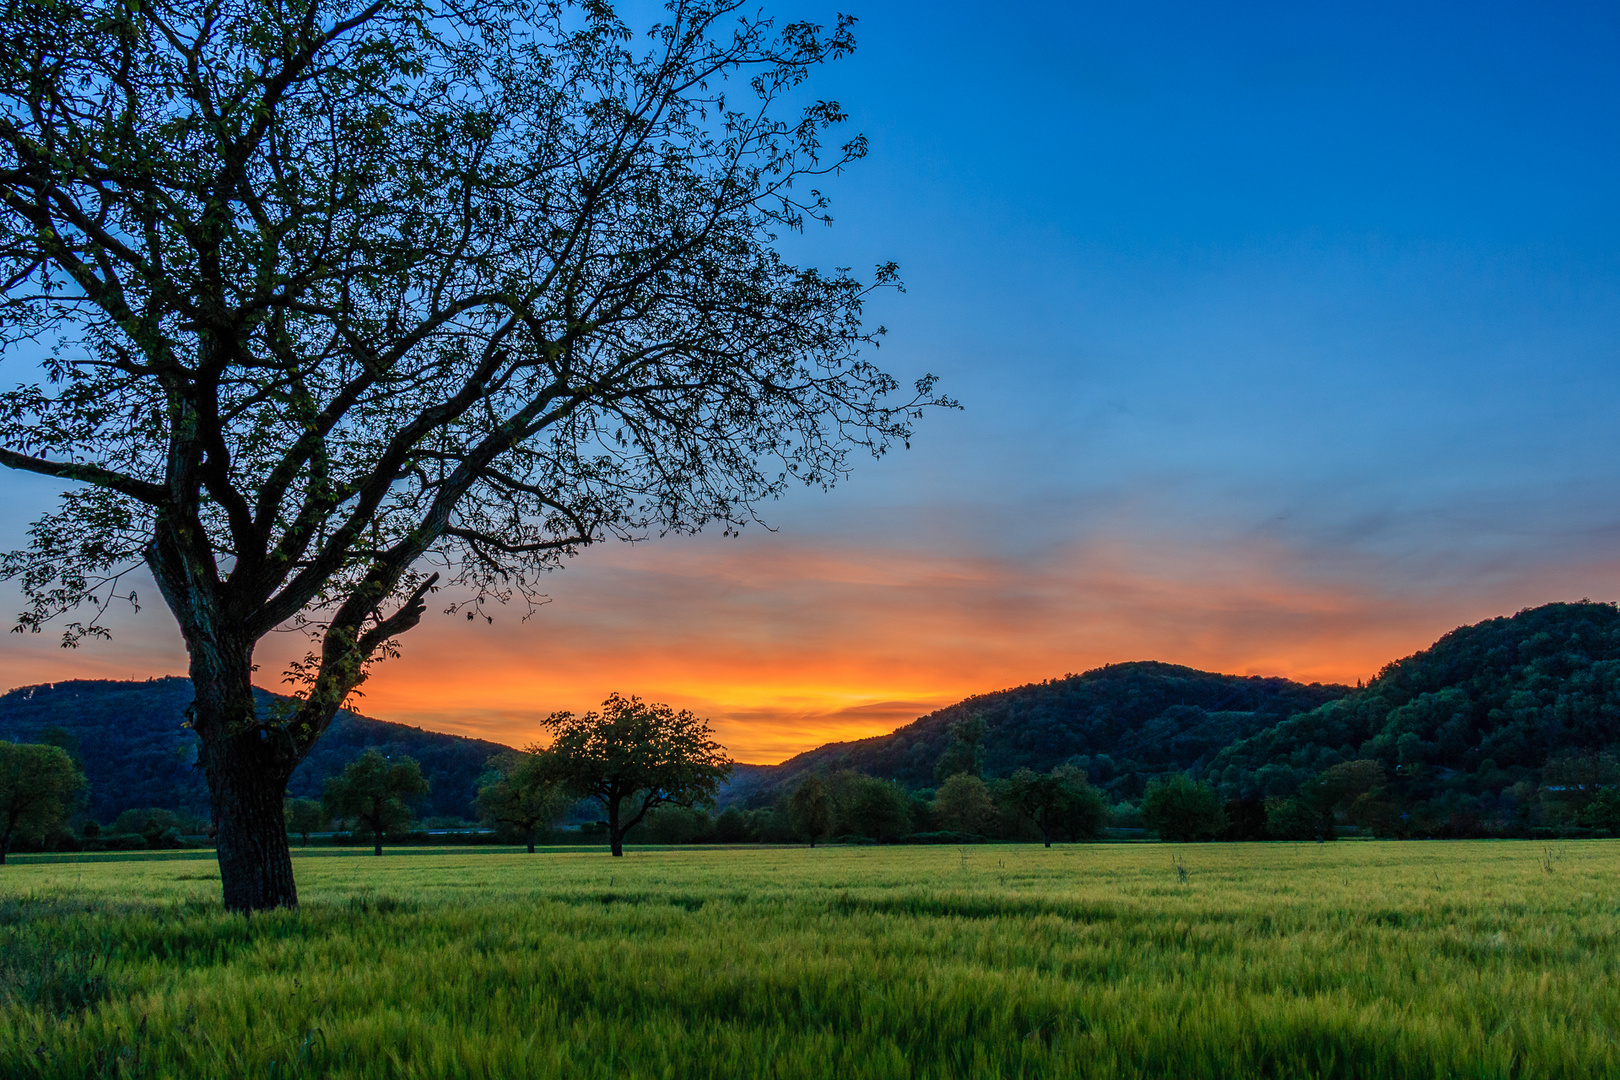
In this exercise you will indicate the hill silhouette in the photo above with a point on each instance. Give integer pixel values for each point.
(1124, 724)
(136, 751)
(1498, 726)
(1495, 722)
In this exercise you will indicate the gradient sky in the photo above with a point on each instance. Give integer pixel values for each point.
(1287, 337)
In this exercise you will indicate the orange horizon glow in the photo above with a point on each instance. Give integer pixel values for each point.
(786, 645)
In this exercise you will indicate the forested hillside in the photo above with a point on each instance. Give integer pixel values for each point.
(1498, 727)
(132, 743)
(1506, 726)
(1123, 724)
(1510, 720)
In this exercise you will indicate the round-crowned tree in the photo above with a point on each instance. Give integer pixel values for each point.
(632, 757)
(516, 793)
(39, 785)
(377, 793)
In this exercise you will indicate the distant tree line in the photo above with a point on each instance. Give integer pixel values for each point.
(1507, 728)
(131, 741)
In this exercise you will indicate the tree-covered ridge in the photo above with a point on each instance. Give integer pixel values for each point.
(134, 747)
(1466, 729)
(1500, 727)
(1123, 724)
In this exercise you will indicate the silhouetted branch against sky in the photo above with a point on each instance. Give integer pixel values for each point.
(344, 293)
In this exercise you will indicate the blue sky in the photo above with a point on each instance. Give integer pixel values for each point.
(1287, 336)
(1343, 273)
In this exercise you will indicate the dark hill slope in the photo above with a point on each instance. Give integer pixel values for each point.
(1123, 724)
(1482, 709)
(136, 752)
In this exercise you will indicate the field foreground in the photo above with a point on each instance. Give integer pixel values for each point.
(1464, 959)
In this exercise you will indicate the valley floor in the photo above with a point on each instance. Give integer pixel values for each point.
(1356, 959)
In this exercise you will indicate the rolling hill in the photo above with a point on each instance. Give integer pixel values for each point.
(1499, 726)
(1123, 724)
(1507, 722)
(131, 740)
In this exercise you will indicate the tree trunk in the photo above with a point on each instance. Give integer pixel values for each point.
(615, 834)
(255, 861)
(376, 843)
(247, 763)
(530, 838)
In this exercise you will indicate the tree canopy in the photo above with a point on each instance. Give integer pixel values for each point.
(1060, 803)
(343, 301)
(39, 785)
(376, 792)
(811, 810)
(633, 756)
(519, 794)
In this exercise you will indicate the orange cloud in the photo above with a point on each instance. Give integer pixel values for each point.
(787, 643)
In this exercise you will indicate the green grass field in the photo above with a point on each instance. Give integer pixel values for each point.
(1489, 959)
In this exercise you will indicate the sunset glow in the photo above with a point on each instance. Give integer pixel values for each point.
(1285, 338)
(787, 645)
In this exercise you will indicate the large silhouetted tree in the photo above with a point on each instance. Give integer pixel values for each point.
(337, 300)
(634, 756)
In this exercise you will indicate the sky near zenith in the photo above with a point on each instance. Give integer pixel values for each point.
(1287, 340)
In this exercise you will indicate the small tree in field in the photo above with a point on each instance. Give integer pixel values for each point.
(337, 301)
(867, 806)
(304, 816)
(633, 756)
(376, 792)
(38, 788)
(517, 792)
(1182, 810)
(1060, 803)
(811, 810)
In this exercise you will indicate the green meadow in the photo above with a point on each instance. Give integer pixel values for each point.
(1356, 959)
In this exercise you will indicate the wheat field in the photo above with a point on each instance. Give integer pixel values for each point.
(1356, 959)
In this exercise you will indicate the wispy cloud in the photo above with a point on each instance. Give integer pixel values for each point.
(788, 642)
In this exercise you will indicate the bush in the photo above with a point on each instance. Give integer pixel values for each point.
(1603, 812)
(734, 827)
(1245, 820)
(160, 829)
